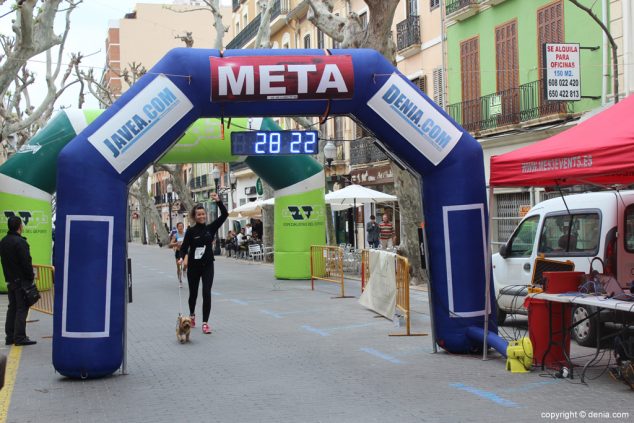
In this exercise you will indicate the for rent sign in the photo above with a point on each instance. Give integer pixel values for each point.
(563, 80)
(281, 78)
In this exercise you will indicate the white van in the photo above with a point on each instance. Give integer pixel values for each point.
(576, 228)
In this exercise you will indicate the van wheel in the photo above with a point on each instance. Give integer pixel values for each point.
(585, 333)
(501, 317)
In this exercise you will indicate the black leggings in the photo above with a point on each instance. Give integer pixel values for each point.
(193, 279)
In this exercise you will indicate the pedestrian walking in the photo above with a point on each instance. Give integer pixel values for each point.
(17, 266)
(386, 232)
(372, 228)
(175, 242)
(198, 258)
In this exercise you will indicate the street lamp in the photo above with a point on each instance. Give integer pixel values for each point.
(330, 152)
(232, 180)
(215, 174)
(170, 190)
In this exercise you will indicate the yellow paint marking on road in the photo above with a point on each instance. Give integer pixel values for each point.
(13, 362)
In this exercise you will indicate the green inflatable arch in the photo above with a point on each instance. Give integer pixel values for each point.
(28, 182)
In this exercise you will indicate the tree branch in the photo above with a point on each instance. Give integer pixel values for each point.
(615, 60)
(263, 37)
(320, 14)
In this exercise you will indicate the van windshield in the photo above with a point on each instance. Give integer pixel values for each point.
(522, 241)
(570, 234)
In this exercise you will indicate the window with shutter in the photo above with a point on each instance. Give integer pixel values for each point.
(470, 75)
(412, 7)
(320, 39)
(550, 29)
(507, 72)
(421, 83)
(439, 87)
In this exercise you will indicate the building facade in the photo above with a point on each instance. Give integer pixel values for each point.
(496, 85)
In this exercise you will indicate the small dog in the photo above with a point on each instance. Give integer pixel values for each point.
(183, 328)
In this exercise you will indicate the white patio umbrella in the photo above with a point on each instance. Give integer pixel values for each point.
(250, 209)
(357, 193)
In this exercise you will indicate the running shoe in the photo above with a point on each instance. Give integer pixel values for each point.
(206, 329)
(193, 320)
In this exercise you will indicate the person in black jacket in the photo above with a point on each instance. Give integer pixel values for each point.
(18, 272)
(198, 257)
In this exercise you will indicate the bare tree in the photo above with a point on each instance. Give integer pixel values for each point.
(99, 88)
(148, 210)
(33, 34)
(212, 6)
(188, 39)
(349, 32)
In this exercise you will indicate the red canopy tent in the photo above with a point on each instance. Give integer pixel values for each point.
(599, 150)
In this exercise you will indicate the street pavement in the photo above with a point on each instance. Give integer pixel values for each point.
(280, 352)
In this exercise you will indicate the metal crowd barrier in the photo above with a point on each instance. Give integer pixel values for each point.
(44, 277)
(402, 288)
(326, 264)
(365, 268)
(402, 295)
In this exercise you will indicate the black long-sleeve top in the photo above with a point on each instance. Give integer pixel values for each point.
(201, 235)
(16, 258)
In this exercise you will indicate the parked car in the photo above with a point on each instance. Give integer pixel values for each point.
(576, 228)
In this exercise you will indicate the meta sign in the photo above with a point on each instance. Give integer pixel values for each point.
(281, 78)
(563, 80)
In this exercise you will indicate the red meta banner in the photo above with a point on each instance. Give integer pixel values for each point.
(281, 78)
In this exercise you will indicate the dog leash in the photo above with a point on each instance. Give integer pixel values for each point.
(180, 302)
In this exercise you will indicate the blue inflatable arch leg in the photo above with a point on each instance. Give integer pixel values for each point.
(96, 168)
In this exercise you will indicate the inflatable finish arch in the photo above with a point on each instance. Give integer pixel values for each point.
(94, 172)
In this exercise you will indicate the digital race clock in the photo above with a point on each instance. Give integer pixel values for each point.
(274, 143)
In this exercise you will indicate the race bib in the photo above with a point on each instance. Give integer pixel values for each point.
(198, 253)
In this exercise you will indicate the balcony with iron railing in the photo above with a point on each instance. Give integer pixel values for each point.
(364, 151)
(199, 182)
(503, 110)
(251, 30)
(461, 9)
(408, 35)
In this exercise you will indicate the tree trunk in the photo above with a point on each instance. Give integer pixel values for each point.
(263, 38)
(151, 215)
(268, 219)
(409, 200)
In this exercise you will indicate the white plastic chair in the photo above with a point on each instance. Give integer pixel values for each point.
(255, 252)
